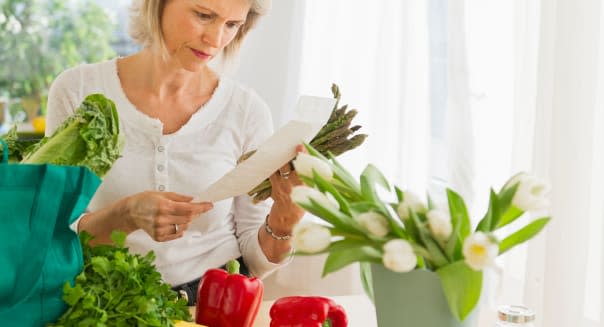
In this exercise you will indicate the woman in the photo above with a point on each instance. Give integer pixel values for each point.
(185, 127)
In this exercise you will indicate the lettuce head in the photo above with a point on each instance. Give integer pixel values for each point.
(90, 137)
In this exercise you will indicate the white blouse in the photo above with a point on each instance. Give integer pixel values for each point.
(235, 120)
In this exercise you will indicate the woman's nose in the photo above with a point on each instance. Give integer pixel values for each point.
(213, 35)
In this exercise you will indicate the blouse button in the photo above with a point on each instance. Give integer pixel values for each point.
(160, 148)
(160, 167)
(161, 188)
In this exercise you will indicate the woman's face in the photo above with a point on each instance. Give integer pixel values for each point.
(195, 31)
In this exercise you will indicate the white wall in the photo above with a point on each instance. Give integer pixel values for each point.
(269, 59)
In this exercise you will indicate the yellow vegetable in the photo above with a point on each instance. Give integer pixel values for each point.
(39, 124)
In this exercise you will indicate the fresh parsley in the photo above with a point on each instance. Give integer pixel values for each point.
(117, 288)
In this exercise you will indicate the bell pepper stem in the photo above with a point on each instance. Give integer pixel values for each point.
(232, 267)
(326, 323)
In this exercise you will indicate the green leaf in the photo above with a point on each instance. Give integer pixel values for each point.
(334, 217)
(72, 295)
(370, 177)
(364, 206)
(459, 214)
(462, 287)
(367, 280)
(523, 235)
(437, 256)
(118, 238)
(493, 215)
(461, 224)
(347, 243)
(509, 213)
(344, 176)
(326, 186)
(453, 246)
(337, 260)
(399, 194)
(412, 229)
(393, 221)
(509, 216)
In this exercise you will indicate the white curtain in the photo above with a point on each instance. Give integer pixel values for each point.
(522, 89)
(378, 55)
(564, 271)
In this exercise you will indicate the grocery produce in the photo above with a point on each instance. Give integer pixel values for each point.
(90, 137)
(117, 288)
(227, 298)
(335, 137)
(16, 147)
(307, 311)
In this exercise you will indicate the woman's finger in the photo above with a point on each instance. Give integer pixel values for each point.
(168, 220)
(185, 208)
(176, 197)
(301, 148)
(170, 232)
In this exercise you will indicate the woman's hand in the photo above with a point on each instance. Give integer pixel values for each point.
(285, 213)
(163, 215)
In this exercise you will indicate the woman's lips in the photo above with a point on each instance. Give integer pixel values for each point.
(200, 54)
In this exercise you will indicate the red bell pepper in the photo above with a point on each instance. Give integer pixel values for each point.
(307, 311)
(228, 299)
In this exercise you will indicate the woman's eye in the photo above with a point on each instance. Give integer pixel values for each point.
(205, 17)
(233, 25)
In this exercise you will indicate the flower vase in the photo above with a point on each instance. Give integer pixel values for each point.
(412, 299)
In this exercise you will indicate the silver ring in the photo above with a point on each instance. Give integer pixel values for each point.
(284, 175)
(175, 228)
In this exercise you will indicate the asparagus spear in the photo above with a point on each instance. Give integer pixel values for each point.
(335, 137)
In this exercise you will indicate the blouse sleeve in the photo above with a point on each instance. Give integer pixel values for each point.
(247, 215)
(63, 99)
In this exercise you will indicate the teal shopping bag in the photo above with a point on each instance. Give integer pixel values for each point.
(38, 250)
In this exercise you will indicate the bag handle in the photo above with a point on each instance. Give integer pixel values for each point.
(4, 151)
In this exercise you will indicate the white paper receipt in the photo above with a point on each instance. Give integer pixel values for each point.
(311, 114)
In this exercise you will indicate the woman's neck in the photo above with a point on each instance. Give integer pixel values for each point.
(163, 78)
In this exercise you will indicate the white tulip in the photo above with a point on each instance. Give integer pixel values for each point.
(310, 237)
(302, 194)
(439, 223)
(305, 164)
(375, 223)
(399, 256)
(480, 250)
(531, 193)
(410, 201)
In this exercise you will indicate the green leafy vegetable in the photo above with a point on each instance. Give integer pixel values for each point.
(90, 137)
(16, 147)
(117, 288)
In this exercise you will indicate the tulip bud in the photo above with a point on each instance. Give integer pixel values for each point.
(531, 193)
(399, 256)
(410, 201)
(439, 223)
(480, 250)
(302, 194)
(310, 237)
(375, 223)
(305, 164)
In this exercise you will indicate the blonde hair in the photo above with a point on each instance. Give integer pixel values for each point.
(145, 24)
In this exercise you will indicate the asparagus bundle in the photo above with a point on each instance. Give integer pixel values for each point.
(335, 137)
